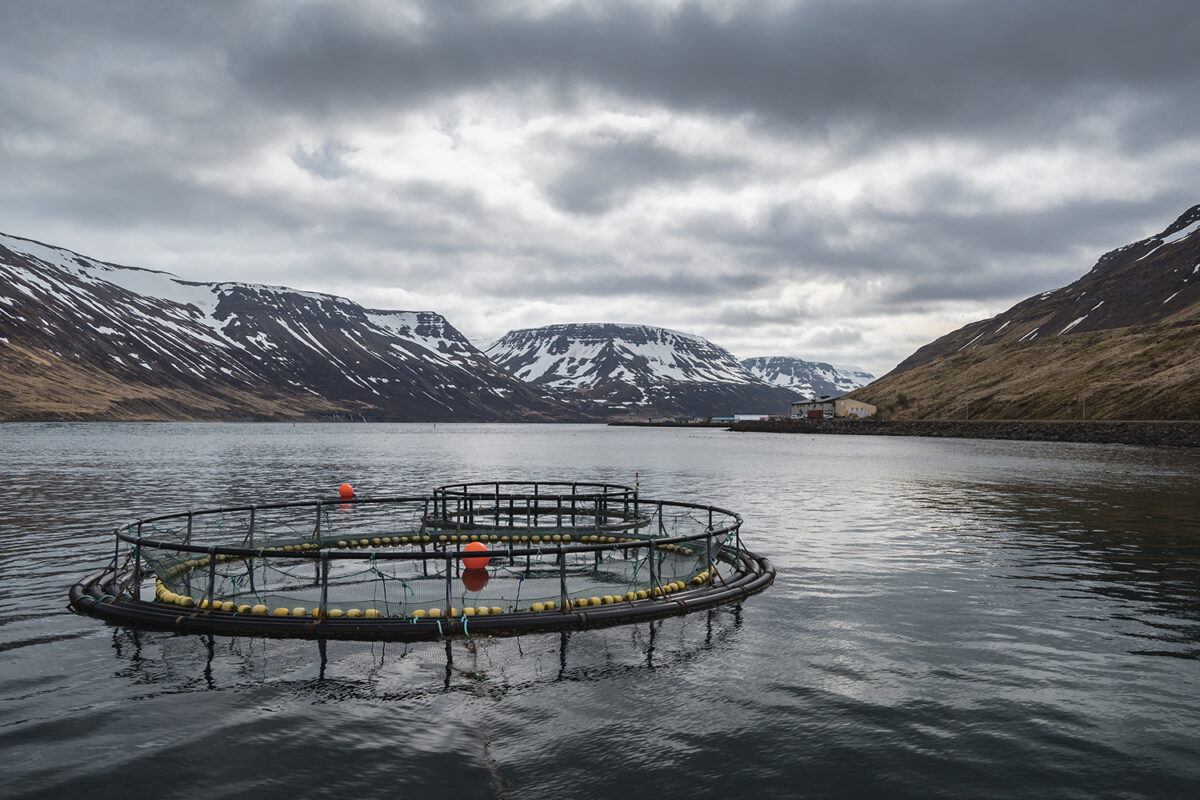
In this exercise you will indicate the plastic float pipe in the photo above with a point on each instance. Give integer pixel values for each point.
(156, 616)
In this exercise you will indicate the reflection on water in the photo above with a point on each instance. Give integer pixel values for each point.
(398, 671)
(951, 618)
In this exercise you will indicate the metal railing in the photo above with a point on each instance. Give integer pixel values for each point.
(421, 540)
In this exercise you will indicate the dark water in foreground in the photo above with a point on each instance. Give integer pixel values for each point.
(952, 619)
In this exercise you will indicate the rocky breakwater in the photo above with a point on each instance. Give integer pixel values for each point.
(1165, 433)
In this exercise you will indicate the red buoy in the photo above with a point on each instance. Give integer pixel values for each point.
(475, 562)
(345, 491)
(474, 579)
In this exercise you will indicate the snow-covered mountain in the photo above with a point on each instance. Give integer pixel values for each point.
(1122, 342)
(636, 370)
(809, 378)
(1153, 280)
(84, 339)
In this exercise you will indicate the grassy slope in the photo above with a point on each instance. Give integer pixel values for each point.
(38, 385)
(1144, 372)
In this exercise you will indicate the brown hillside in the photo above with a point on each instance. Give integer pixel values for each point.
(40, 385)
(1152, 281)
(1140, 372)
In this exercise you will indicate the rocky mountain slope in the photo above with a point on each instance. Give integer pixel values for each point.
(807, 378)
(635, 371)
(85, 339)
(1122, 342)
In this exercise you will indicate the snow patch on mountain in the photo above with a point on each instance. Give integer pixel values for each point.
(586, 355)
(256, 338)
(809, 378)
(636, 369)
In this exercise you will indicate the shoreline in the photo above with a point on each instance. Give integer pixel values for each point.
(1151, 433)
(621, 424)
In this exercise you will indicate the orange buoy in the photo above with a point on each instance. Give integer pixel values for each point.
(345, 491)
(475, 562)
(474, 580)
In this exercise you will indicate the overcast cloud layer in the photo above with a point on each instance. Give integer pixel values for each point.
(843, 180)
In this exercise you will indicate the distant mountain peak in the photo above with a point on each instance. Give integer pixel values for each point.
(635, 368)
(809, 378)
(1142, 283)
(1118, 343)
(148, 344)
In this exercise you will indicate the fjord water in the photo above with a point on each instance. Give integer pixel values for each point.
(952, 618)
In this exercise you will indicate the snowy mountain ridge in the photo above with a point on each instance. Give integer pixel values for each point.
(1119, 343)
(1150, 281)
(220, 348)
(635, 368)
(585, 355)
(809, 378)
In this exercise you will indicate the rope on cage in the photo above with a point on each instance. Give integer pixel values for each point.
(404, 597)
(383, 579)
(520, 583)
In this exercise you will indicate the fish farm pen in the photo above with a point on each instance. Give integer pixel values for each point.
(491, 558)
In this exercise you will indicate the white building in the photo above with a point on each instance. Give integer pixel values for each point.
(827, 407)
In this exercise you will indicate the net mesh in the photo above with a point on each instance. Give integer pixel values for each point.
(409, 557)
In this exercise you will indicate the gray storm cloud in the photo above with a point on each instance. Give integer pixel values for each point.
(754, 172)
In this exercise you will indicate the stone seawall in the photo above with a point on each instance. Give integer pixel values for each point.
(1164, 433)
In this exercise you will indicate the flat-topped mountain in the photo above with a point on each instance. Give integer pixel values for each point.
(808, 378)
(636, 371)
(86, 339)
(1122, 342)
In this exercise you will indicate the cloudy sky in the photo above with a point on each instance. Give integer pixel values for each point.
(842, 180)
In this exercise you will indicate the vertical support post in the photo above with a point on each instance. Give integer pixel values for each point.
(563, 602)
(212, 575)
(250, 533)
(558, 513)
(187, 539)
(323, 609)
(137, 568)
(116, 550)
(496, 522)
(653, 558)
(709, 554)
(448, 584)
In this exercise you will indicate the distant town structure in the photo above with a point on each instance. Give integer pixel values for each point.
(827, 407)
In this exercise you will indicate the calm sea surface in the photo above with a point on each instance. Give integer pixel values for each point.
(952, 618)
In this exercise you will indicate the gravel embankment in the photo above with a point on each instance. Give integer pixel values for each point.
(1162, 433)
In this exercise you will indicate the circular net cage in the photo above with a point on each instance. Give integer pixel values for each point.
(496, 558)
